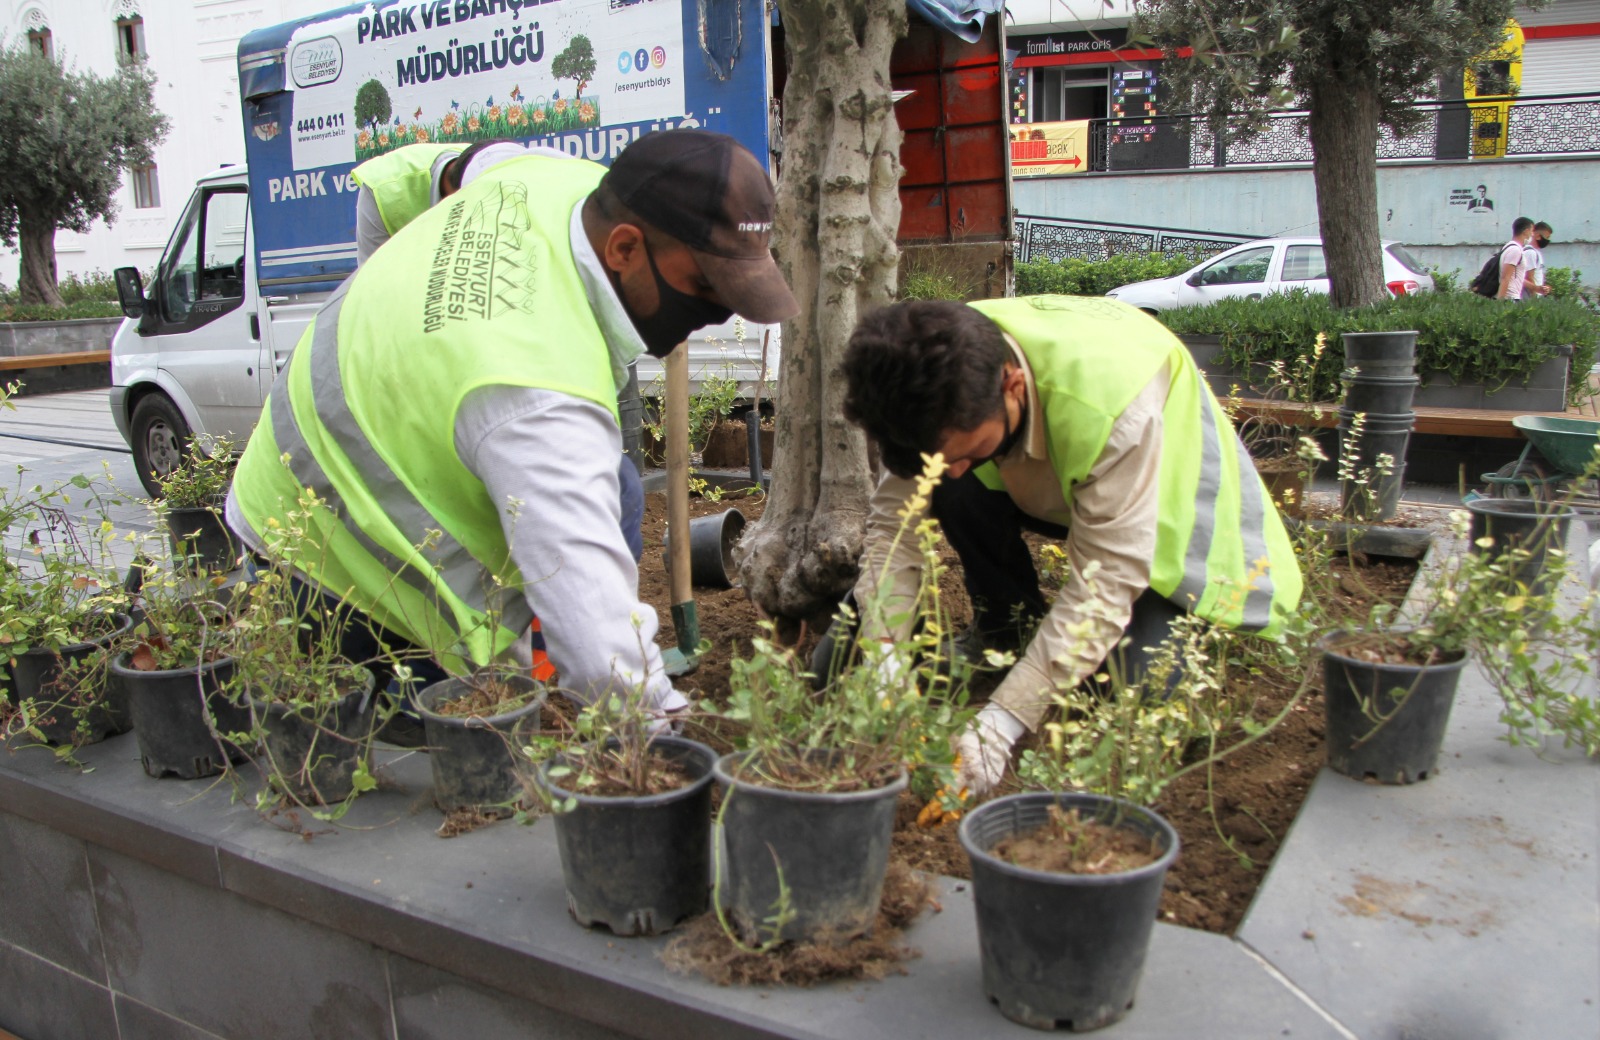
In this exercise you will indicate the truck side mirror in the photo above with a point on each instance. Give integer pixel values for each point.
(130, 291)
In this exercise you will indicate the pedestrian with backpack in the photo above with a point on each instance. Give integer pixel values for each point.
(1515, 260)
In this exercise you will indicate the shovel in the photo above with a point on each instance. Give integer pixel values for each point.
(685, 622)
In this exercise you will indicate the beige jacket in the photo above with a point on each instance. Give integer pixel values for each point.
(1112, 520)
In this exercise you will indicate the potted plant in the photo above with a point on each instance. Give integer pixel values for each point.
(180, 657)
(311, 710)
(60, 612)
(809, 801)
(1390, 685)
(632, 809)
(193, 495)
(470, 724)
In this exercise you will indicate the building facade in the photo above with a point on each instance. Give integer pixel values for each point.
(1095, 138)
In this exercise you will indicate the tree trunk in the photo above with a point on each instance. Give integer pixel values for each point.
(1344, 146)
(37, 279)
(838, 213)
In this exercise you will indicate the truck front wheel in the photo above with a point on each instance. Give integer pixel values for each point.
(160, 437)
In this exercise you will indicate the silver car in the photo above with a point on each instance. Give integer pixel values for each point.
(1269, 265)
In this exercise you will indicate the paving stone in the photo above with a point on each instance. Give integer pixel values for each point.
(434, 1005)
(239, 970)
(39, 1000)
(46, 907)
(136, 1021)
(1464, 906)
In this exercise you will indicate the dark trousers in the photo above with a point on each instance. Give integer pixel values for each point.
(985, 528)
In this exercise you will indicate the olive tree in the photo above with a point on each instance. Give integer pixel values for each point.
(69, 136)
(1356, 65)
(838, 213)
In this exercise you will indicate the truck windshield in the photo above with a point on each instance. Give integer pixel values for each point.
(206, 260)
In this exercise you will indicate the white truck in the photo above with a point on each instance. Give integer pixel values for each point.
(260, 247)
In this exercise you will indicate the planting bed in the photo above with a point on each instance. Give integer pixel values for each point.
(1231, 821)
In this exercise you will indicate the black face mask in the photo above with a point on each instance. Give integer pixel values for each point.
(677, 314)
(1541, 242)
(1011, 438)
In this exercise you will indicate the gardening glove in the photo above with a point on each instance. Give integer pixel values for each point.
(666, 718)
(984, 749)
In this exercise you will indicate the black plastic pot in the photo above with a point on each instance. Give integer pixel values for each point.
(473, 758)
(1062, 951)
(170, 708)
(1386, 722)
(639, 865)
(711, 542)
(1384, 395)
(106, 714)
(315, 751)
(1537, 528)
(1380, 354)
(200, 538)
(832, 850)
(1381, 434)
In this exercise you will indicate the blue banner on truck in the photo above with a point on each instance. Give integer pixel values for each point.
(322, 94)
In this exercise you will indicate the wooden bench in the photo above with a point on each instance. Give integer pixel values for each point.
(78, 357)
(1454, 422)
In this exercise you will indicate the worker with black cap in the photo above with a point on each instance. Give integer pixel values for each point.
(453, 406)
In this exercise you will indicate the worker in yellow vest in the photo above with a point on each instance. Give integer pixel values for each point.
(399, 186)
(454, 404)
(1082, 419)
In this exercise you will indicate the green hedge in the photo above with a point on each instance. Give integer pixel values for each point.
(1475, 340)
(82, 309)
(1074, 277)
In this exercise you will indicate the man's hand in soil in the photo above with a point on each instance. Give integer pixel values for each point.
(985, 749)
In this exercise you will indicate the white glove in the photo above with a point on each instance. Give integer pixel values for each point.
(892, 672)
(985, 749)
(666, 718)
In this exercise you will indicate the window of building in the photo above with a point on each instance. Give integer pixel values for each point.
(1069, 92)
(146, 188)
(39, 40)
(130, 39)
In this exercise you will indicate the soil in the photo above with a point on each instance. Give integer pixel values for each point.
(660, 776)
(1230, 817)
(703, 948)
(1070, 844)
(489, 697)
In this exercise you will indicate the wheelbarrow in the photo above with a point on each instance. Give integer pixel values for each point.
(1559, 451)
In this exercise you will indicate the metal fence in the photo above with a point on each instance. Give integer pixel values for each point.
(1051, 238)
(1555, 124)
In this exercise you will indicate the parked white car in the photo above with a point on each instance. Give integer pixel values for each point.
(1269, 265)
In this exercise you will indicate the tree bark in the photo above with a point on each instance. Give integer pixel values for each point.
(838, 213)
(37, 278)
(1344, 144)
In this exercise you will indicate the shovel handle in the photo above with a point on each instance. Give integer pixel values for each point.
(677, 370)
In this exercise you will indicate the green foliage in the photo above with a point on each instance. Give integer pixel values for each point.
(203, 478)
(886, 702)
(1252, 55)
(935, 273)
(1074, 277)
(576, 62)
(68, 137)
(1468, 337)
(1566, 283)
(373, 107)
(72, 311)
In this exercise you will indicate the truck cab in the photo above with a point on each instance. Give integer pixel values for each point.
(199, 347)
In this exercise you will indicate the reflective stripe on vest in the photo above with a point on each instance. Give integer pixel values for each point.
(1215, 526)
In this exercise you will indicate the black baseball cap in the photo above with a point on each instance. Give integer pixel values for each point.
(707, 191)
